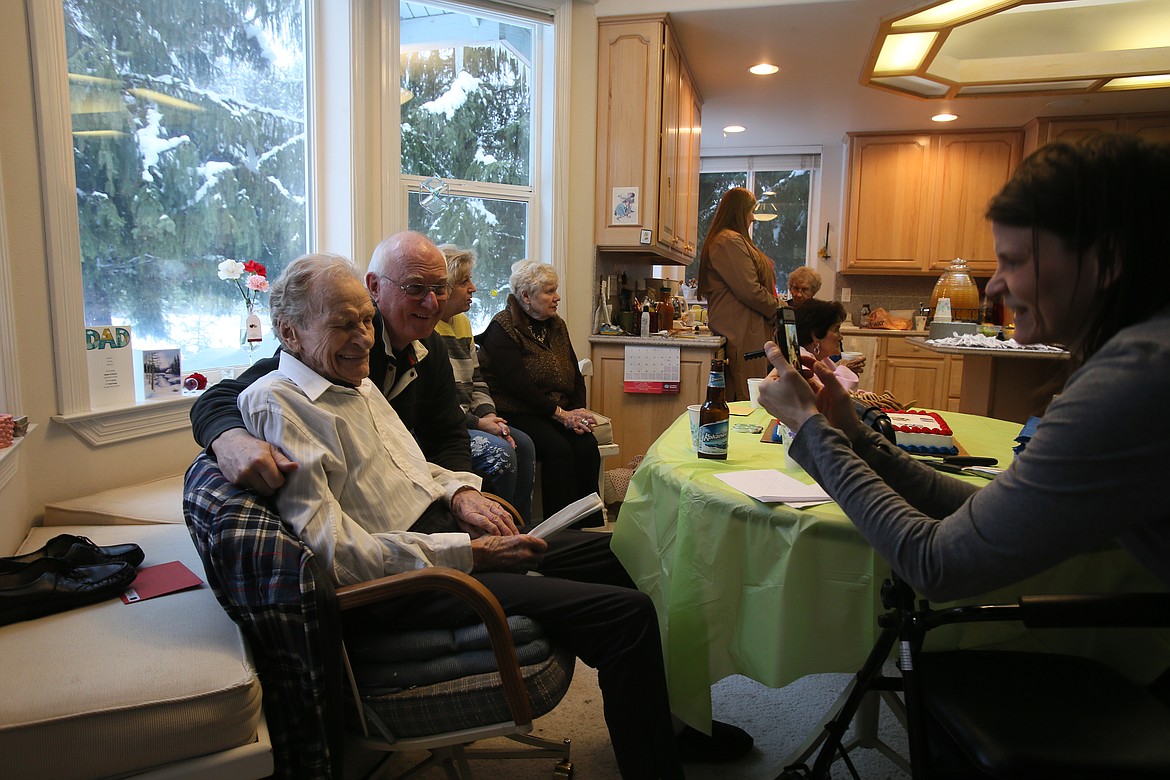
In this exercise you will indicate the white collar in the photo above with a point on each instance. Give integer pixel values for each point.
(312, 384)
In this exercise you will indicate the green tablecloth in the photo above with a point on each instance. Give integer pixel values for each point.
(775, 593)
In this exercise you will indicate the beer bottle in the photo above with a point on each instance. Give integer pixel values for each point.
(714, 416)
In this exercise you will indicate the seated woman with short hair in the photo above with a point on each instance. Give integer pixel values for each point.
(531, 367)
(501, 453)
(818, 329)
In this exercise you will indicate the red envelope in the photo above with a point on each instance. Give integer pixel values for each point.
(160, 580)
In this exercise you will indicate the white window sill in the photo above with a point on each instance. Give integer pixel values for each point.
(8, 458)
(110, 426)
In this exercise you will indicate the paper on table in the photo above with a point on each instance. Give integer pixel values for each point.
(570, 514)
(772, 486)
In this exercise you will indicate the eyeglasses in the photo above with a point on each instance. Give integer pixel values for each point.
(416, 291)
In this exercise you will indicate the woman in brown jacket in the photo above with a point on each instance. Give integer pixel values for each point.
(739, 283)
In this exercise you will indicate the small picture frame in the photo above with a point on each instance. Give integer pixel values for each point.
(645, 237)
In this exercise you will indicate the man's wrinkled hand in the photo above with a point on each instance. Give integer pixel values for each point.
(474, 509)
(251, 463)
(507, 553)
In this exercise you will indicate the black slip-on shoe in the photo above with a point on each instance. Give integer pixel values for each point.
(48, 585)
(78, 551)
(726, 743)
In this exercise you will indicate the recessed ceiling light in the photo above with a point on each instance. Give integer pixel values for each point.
(944, 117)
(734, 129)
(763, 69)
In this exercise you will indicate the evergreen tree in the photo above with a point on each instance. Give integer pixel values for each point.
(188, 148)
(469, 119)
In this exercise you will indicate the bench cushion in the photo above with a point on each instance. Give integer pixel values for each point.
(111, 688)
(160, 501)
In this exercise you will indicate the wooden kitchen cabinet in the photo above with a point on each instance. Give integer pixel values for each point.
(913, 374)
(639, 418)
(916, 200)
(649, 115)
(1042, 130)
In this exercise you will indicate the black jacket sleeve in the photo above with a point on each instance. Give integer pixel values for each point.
(429, 407)
(215, 411)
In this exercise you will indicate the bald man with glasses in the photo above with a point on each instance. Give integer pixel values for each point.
(407, 280)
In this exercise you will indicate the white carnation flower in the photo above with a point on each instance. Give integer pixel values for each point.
(231, 269)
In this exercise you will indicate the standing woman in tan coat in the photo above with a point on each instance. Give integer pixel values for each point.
(739, 283)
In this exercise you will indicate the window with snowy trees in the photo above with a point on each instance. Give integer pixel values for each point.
(182, 137)
(782, 185)
(189, 149)
(469, 124)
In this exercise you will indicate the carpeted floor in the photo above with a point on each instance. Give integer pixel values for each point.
(779, 720)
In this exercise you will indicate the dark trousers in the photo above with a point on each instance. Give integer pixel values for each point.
(586, 602)
(569, 463)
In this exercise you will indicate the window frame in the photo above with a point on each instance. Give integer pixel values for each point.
(548, 148)
(810, 158)
(353, 137)
(10, 396)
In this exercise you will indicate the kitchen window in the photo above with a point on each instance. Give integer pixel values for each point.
(787, 182)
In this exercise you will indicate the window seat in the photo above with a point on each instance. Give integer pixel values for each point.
(159, 688)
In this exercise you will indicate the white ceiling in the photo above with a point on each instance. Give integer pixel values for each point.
(816, 97)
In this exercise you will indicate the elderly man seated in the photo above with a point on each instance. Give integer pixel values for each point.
(366, 501)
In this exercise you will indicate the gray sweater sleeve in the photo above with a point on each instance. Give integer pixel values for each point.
(1086, 477)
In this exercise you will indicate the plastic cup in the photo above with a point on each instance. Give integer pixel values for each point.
(693, 413)
(754, 391)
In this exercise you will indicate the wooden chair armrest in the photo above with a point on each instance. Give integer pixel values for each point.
(468, 589)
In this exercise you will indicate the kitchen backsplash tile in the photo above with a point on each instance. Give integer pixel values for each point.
(889, 292)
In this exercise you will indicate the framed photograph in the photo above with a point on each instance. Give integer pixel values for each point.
(645, 237)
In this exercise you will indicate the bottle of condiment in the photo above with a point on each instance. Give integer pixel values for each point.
(644, 328)
(714, 416)
(665, 311)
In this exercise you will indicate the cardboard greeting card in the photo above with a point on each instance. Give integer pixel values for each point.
(161, 374)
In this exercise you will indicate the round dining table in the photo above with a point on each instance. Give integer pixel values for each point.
(775, 593)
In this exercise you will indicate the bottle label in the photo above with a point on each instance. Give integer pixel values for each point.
(716, 379)
(713, 438)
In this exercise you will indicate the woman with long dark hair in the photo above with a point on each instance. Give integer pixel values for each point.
(739, 283)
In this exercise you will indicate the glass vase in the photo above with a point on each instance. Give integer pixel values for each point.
(251, 333)
(957, 285)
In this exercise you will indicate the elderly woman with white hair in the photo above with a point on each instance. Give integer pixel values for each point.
(803, 285)
(531, 367)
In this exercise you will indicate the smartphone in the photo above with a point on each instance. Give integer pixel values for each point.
(786, 336)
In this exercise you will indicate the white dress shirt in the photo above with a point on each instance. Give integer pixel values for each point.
(362, 480)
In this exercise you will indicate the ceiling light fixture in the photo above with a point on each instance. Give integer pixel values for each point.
(944, 117)
(763, 69)
(734, 129)
(991, 48)
(764, 212)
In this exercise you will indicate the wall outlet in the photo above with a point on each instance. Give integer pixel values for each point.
(846, 294)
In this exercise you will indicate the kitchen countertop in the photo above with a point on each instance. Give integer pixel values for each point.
(682, 339)
(853, 330)
(989, 352)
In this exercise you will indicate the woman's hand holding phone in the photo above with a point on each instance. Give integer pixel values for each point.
(792, 396)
